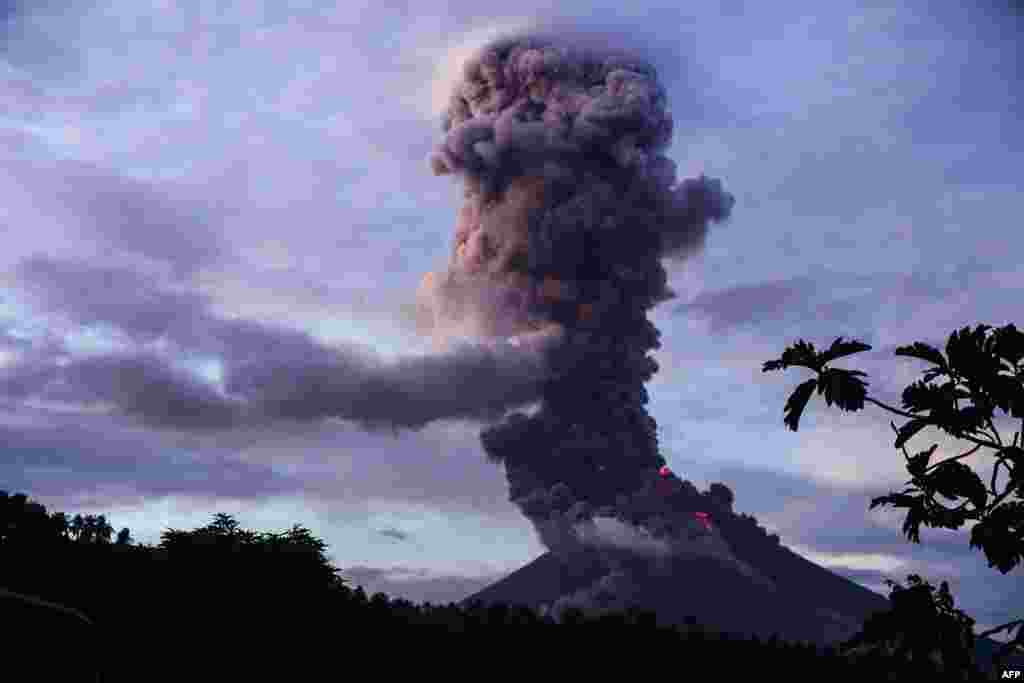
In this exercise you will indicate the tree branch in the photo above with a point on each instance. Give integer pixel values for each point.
(995, 472)
(1000, 498)
(929, 420)
(995, 431)
(1008, 627)
(954, 458)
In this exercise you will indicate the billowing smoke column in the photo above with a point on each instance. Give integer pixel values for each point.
(571, 207)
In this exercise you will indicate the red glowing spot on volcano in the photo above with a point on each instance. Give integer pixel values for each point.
(704, 517)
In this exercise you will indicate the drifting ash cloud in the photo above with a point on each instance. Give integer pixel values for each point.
(269, 373)
(468, 383)
(632, 553)
(696, 540)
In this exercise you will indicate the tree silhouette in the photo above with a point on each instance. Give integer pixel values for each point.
(223, 523)
(76, 527)
(296, 556)
(922, 626)
(23, 521)
(102, 530)
(61, 525)
(90, 529)
(248, 588)
(983, 371)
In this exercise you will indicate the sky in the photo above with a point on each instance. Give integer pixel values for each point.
(187, 187)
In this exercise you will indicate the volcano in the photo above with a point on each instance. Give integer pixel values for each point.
(801, 601)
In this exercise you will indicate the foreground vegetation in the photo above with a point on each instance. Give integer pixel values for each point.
(223, 603)
(980, 375)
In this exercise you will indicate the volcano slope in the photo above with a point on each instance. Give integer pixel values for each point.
(785, 595)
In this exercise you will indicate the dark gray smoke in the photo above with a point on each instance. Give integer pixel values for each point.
(592, 124)
(270, 372)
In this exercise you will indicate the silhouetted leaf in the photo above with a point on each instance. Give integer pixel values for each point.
(923, 352)
(920, 396)
(982, 363)
(998, 535)
(840, 348)
(970, 419)
(1008, 394)
(797, 402)
(843, 387)
(956, 480)
(1008, 343)
(899, 500)
(965, 352)
(945, 518)
(1014, 463)
(916, 514)
(907, 431)
(917, 464)
(800, 354)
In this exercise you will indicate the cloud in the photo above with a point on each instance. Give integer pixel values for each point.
(24, 378)
(146, 386)
(8, 8)
(469, 384)
(844, 301)
(118, 296)
(395, 534)
(613, 532)
(416, 585)
(164, 222)
(270, 372)
(56, 456)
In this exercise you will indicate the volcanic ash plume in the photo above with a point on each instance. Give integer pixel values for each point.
(570, 209)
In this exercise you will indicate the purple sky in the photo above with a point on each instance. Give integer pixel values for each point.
(193, 196)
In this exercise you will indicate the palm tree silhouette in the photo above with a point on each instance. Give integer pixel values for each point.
(90, 529)
(223, 523)
(77, 527)
(102, 530)
(61, 524)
